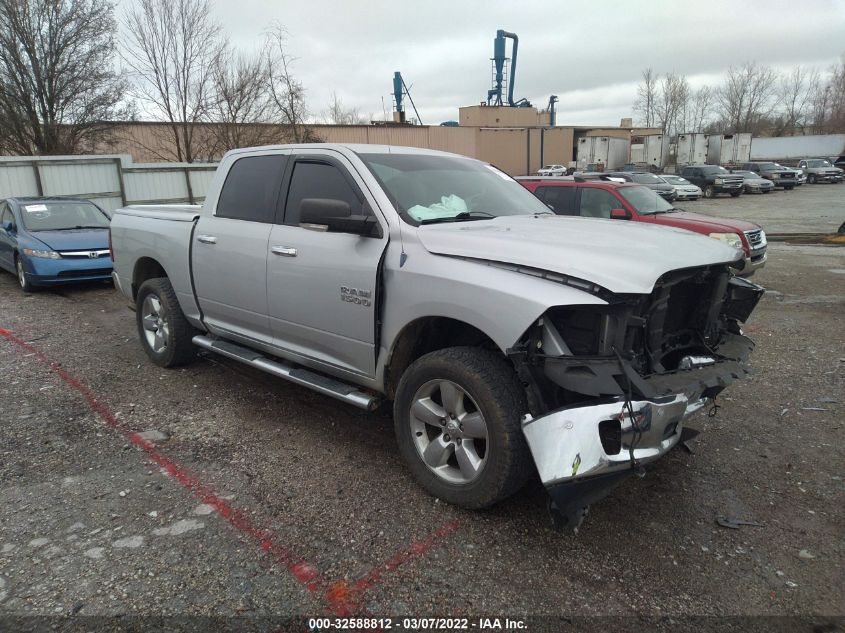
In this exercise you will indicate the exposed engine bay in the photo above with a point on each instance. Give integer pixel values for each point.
(609, 386)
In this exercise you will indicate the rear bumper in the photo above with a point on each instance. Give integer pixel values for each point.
(582, 452)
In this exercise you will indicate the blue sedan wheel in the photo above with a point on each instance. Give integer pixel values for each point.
(25, 284)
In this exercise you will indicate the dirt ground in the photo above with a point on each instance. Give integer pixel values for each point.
(250, 498)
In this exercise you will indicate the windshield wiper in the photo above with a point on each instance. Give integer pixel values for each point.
(463, 216)
(669, 210)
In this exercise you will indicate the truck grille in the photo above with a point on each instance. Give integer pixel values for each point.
(756, 239)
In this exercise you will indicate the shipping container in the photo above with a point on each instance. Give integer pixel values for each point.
(604, 150)
(797, 147)
(655, 150)
(724, 149)
(692, 149)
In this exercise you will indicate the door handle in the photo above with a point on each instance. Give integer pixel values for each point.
(284, 251)
(207, 239)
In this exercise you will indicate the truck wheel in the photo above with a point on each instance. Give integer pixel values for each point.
(735, 194)
(811, 179)
(789, 188)
(162, 327)
(709, 192)
(457, 416)
(23, 282)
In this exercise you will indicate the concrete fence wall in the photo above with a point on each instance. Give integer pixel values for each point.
(111, 181)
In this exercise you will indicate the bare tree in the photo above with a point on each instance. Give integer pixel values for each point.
(702, 102)
(672, 102)
(339, 114)
(57, 80)
(795, 93)
(242, 112)
(287, 92)
(645, 105)
(746, 97)
(836, 91)
(173, 48)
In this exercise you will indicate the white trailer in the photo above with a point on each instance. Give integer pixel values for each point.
(797, 147)
(609, 151)
(692, 149)
(723, 149)
(655, 149)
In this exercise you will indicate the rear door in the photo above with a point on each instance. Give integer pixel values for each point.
(322, 286)
(229, 249)
(560, 199)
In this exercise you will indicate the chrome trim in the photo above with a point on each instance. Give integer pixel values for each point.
(207, 239)
(566, 444)
(86, 254)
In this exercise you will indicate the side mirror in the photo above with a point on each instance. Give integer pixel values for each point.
(335, 216)
(9, 226)
(619, 214)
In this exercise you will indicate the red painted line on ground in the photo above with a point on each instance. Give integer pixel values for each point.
(299, 569)
(342, 598)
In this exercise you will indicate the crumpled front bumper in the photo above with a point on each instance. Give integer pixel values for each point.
(583, 451)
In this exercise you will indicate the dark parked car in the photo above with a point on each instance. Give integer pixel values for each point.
(661, 188)
(49, 241)
(753, 182)
(778, 174)
(714, 180)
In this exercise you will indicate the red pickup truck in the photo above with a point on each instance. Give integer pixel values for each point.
(629, 201)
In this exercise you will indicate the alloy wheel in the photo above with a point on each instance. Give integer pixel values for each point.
(156, 325)
(449, 431)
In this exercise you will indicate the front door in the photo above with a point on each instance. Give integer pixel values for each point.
(322, 286)
(229, 249)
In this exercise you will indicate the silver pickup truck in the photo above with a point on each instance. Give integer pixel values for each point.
(511, 341)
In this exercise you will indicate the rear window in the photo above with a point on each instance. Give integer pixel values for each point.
(251, 188)
(561, 199)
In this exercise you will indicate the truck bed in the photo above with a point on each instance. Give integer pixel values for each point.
(162, 233)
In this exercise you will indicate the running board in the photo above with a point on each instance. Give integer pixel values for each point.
(297, 375)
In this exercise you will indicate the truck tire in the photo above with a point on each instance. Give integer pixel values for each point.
(709, 191)
(457, 416)
(162, 327)
(811, 179)
(789, 188)
(735, 194)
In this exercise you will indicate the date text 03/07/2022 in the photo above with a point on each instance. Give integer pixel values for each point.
(418, 624)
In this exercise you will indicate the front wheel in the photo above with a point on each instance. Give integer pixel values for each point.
(709, 191)
(162, 327)
(789, 188)
(25, 284)
(457, 416)
(811, 179)
(735, 194)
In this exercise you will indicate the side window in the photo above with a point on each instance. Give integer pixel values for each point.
(6, 214)
(597, 203)
(319, 180)
(251, 188)
(562, 199)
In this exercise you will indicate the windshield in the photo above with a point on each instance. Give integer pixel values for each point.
(714, 169)
(56, 215)
(769, 166)
(676, 180)
(819, 163)
(646, 179)
(644, 200)
(427, 189)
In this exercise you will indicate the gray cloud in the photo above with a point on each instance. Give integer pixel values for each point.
(590, 55)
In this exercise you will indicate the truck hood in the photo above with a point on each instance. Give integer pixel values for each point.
(702, 223)
(624, 257)
(74, 239)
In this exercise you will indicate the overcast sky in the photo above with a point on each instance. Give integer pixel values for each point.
(589, 54)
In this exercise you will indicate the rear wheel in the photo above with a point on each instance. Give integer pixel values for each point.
(457, 416)
(811, 179)
(709, 191)
(162, 327)
(23, 282)
(789, 188)
(735, 194)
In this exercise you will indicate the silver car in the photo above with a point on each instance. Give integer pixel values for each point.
(684, 189)
(753, 183)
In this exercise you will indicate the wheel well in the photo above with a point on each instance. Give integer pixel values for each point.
(145, 268)
(429, 334)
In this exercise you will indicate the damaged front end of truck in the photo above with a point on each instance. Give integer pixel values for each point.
(610, 386)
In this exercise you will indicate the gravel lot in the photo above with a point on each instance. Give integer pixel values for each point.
(254, 498)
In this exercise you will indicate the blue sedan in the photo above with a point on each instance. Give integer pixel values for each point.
(50, 241)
